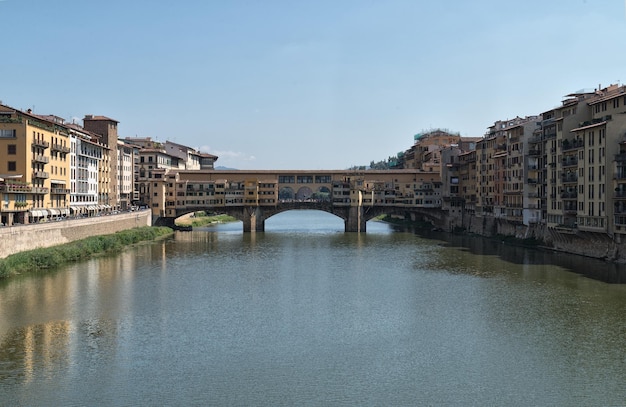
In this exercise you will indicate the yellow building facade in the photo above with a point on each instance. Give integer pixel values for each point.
(35, 168)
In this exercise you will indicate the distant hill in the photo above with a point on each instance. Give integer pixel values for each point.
(225, 168)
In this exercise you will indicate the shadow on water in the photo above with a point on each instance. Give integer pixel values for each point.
(597, 269)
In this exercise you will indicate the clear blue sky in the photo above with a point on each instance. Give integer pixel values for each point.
(305, 84)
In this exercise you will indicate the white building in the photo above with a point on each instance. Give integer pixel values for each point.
(125, 185)
(86, 153)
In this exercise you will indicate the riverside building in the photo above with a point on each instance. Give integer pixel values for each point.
(86, 157)
(562, 171)
(35, 173)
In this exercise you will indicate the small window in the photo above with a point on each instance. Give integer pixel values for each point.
(12, 149)
(12, 166)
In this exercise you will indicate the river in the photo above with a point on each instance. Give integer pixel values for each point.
(305, 314)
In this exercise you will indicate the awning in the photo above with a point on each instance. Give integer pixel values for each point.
(64, 211)
(54, 212)
(37, 213)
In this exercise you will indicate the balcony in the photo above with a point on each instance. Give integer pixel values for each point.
(15, 188)
(59, 191)
(41, 175)
(549, 135)
(20, 206)
(571, 162)
(60, 147)
(532, 180)
(595, 121)
(10, 120)
(619, 210)
(621, 157)
(569, 195)
(572, 177)
(570, 209)
(572, 144)
(40, 143)
(41, 159)
(39, 190)
(534, 152)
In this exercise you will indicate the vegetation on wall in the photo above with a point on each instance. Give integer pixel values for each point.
(387, 164)
(51, 257)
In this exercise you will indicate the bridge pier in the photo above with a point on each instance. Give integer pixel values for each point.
(253, 219)
(356, 221)
(163, 221)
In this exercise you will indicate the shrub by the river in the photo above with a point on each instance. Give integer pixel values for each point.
(202, 218)
(50, 257)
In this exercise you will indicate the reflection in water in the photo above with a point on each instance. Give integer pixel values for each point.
(480, 250)
(43, 347)
(287, 317)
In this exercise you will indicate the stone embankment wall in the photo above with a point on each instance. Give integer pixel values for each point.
(589, 244)
(15, 239)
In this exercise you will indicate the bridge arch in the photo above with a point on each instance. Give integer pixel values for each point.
(412, 214)
(306, 218)
(354, 217)
(324, 206)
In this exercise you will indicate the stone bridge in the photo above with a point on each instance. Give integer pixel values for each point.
(254, 196)
(354, 217)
